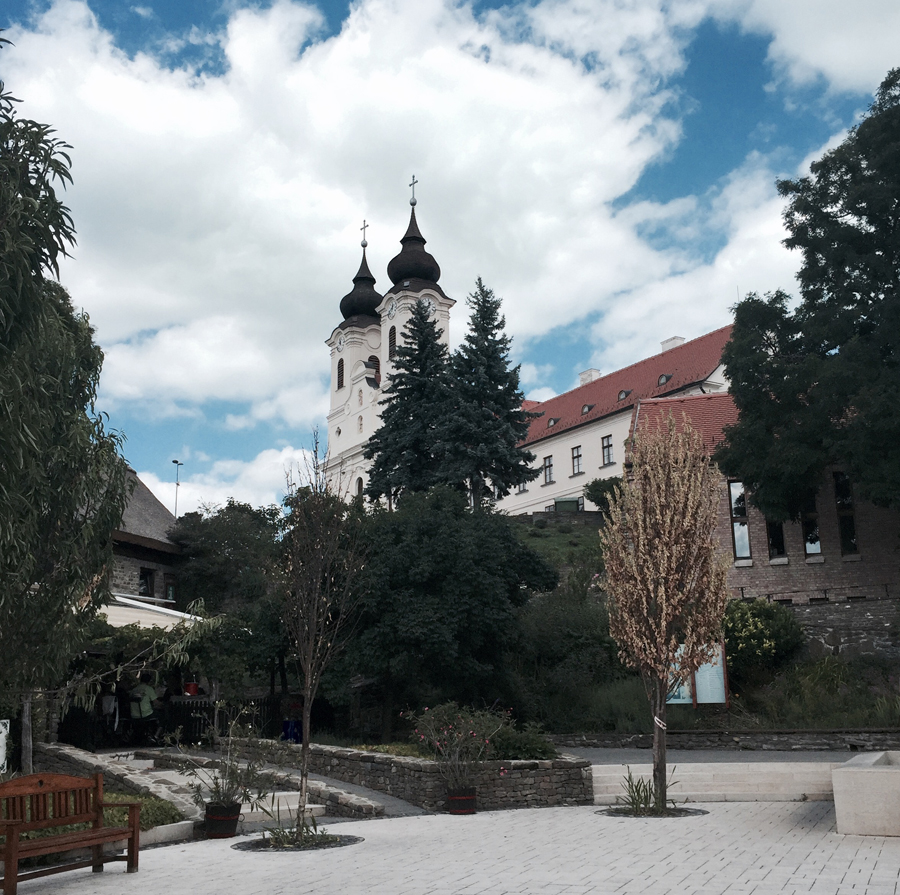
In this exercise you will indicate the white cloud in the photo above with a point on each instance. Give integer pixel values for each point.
(218, 214)
(259, 482)
(851, 46)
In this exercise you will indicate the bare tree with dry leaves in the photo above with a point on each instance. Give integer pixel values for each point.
(323, 561)
(664, 577)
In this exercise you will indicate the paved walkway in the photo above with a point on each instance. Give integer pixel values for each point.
(703, 756)
(736, 849)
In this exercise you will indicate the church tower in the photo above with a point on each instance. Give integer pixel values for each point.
(363, 348)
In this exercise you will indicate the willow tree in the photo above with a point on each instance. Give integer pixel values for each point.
(664, 578)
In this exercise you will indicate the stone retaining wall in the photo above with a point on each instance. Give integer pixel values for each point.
(58, 758)
(769, 740)
(501, 784)
(337, 802)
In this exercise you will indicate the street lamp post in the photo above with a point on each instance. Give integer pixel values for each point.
(178, 465)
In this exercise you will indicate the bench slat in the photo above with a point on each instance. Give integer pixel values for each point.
(47, 845)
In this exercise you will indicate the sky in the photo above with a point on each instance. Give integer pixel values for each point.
(608, 167)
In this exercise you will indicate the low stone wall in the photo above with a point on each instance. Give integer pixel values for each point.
(337, 802)
(58, 758)
(768, 740)
(501, 784)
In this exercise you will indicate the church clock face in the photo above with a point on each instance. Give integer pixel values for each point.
(392, 309)
(340, 343)
(429, 306)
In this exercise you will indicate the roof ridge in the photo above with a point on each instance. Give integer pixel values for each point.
(639, 362)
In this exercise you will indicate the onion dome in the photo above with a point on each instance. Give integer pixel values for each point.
(413, 262)
(363, 300)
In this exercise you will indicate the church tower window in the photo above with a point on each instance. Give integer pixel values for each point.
(359, 487)
(375, 363)
(392, 342)
(340, 374)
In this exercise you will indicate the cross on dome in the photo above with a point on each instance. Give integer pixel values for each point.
(413, 185)
(363, 228)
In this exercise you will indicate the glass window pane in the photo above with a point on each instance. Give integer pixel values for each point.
(811, 537)
(843, 494)
(741, 540)
(847, 527)
(775, 532)
(738, 501)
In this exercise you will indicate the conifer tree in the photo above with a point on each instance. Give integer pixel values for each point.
(488, 422)
(409, 449)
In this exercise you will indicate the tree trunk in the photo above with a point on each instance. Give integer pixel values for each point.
(282, 674)
(658, 704)
(304, 763)
(27, 736)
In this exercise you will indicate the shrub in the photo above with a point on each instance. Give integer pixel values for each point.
(529, 743)
(760, 639)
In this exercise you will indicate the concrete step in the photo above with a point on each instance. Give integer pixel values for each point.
(736, 782)
(283, 805)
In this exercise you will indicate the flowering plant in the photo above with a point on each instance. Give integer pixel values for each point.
(459, 737)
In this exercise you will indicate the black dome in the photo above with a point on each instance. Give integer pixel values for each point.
(413, 262)
(363, 299)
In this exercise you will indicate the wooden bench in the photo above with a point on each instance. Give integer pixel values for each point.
(45, 801)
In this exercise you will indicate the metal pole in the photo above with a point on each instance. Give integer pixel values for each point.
(178, 465)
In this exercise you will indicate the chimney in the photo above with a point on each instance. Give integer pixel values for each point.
(674, 342)
(589, 376)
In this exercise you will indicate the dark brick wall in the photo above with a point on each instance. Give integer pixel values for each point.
(872, 573)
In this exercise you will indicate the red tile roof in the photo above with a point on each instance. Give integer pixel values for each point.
(708, 414)
(686, 365)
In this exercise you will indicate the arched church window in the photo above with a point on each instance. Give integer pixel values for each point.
(359, 424)
(340, 375)
(360, 398)
(392, 342)
(359, 487)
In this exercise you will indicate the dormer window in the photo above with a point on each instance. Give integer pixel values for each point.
(623, 394)
(552, 421)
(664, 379)
(587, 408)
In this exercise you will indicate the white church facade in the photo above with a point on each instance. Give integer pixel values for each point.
(363, 346)
(578, 436)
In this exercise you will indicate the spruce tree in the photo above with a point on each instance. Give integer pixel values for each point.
(488, 422)
(409, 449)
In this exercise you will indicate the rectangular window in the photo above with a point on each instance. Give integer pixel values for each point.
(606, 444)
(576, 460)
(548, 470)
(809, 520)
(580, 504)
(550, 509)
(775, 536)
(843, 498)
(521, 488)
(145, 583)
(739, 530)
(169, 582)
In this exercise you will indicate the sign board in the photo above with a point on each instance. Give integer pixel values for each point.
(706, 686)
(4, 736)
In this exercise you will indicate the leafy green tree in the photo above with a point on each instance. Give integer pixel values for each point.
(820, 385)
(409, 449)
(62, 481)
(442, 584)
(63, 492)
(233, 564)
(487, 423)
(599, 491)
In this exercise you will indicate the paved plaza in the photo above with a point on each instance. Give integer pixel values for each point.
(738, 848)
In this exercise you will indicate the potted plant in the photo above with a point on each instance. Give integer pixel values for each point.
(222, 785)
(460, 739)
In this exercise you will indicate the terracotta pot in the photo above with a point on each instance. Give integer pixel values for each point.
(461, 801)
(222, 820)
